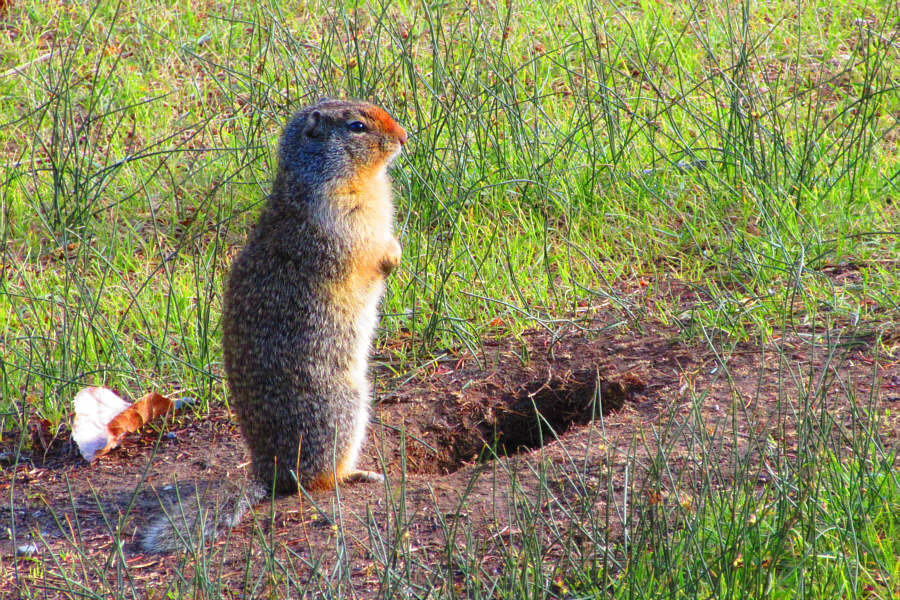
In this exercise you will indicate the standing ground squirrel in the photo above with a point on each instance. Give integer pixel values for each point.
(300, 308)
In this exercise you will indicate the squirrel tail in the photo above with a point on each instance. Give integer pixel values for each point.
(189, 521)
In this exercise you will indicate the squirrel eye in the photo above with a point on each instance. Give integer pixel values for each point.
(356, 126)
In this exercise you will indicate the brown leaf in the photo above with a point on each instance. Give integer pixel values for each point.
(130, 420)
(102, 418)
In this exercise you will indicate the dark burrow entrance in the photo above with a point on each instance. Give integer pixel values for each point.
(541, 411)
(511, 411)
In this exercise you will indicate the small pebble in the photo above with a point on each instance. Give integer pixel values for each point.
(181, 402)
(27, 549)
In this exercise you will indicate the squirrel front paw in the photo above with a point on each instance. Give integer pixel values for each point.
(391, 258)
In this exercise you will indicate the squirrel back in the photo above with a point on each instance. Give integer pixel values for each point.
(300, 307)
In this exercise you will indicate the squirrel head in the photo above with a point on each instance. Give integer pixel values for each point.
(335, 142)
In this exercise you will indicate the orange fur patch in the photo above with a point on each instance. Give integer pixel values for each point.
(325, 481)
(388, 125)
(321, 482)
(352, 292)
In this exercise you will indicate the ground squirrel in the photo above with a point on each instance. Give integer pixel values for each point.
(300, 308)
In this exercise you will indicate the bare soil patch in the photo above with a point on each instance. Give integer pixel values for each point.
(455, 441)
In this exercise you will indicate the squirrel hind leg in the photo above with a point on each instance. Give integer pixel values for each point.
(345, 474)
(321, 482)
(347, 471)
(361, 476)
(347, 463)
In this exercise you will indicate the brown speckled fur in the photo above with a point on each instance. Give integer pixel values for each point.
(301, 299)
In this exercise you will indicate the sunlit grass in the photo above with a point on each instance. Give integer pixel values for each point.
(563, 159)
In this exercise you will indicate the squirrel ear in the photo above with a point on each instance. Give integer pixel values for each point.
(312, 126)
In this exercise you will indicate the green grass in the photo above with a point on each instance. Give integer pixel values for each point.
(541, 174)
(822, 527)
(564, 157)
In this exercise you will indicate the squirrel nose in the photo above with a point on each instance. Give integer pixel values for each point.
(401, 135)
